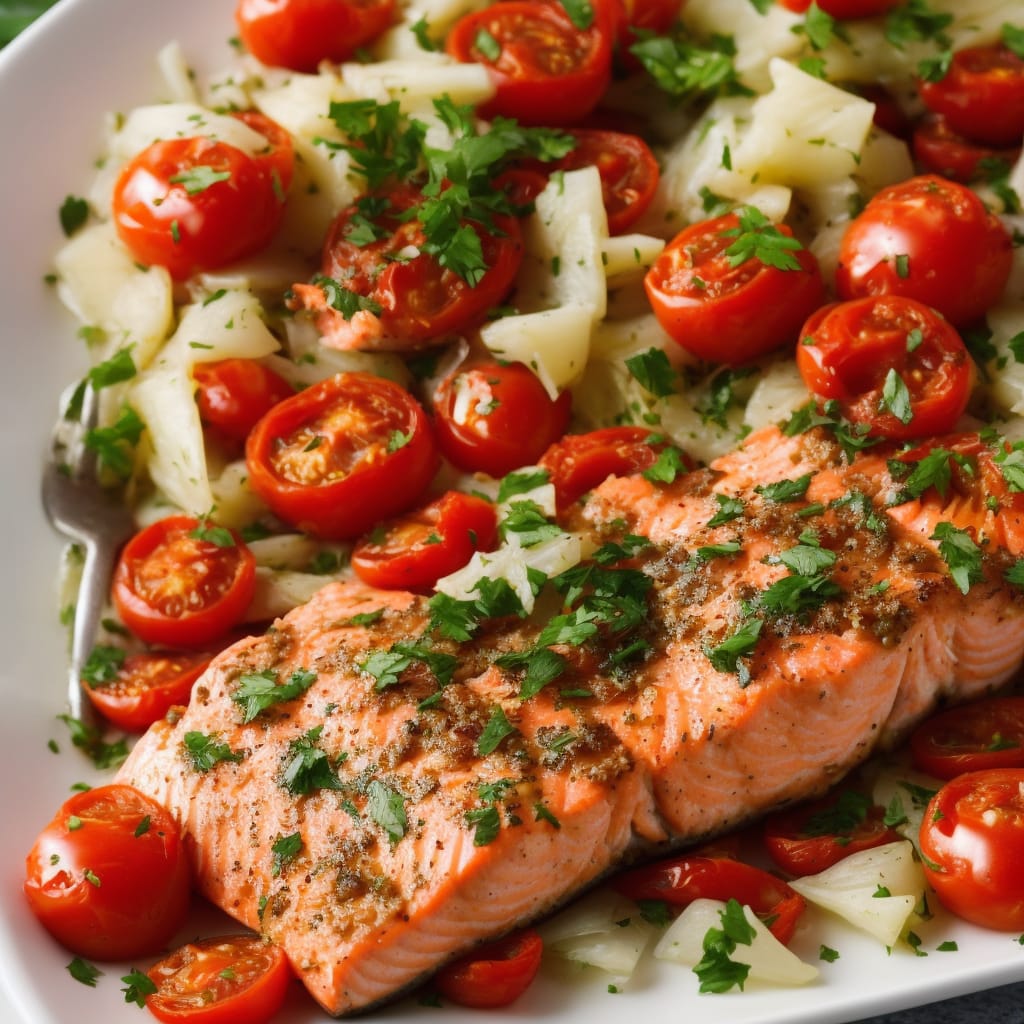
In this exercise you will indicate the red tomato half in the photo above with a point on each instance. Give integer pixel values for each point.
(722, 307)
(146, 687)
(299, 34)
(972, 737)
(849, 350)
(940, 150)
(228, 979)
(197, 204)
(843, 9)
(546, 70)
(982, 94)
(656, 16)
(336, 458)
(682, 880)
(108, 877)
(495, 974)
(415, 551)
(233, 394)
(930, 239)
(495, 417)
(183, 583)
(972, 847)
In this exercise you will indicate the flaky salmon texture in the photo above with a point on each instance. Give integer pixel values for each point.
(377, 797)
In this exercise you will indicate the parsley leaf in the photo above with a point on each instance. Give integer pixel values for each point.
(520, 482)
(115, 445)
(202, 752)
(284, 850)
(961, 555)
(497, 728)
(387, 809)
(687, 70)
(729, 508)
(527, 521)
(74, 212)
(119, 367)
(725, 657)
(758, 238)
(344, 300)
(486, 823)
(258, 691)
(653, 371)
(90, 741)
(896, 397)
(783, 491)
(309, 768)
(669, 465)
(84, 972)
(103, 664)
(716, 971)
(137, 987)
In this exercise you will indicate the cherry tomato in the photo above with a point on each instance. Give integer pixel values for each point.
(415, 551)
(334, 459)
(854, 351)
(233, 394)
(930, 239)
(197, 204)
(972, 847)
(183, 583)
(981, 95)
(299, 34)
(812, 837)
(969, 738)
(655, 16)
(493, 417)
(940, 150)
(546, 70)
(145, 686)
(495, 974)
(227, 979)
(723, 307)
(108, 877)
(843, 9)
(682, 880)
(889, 115)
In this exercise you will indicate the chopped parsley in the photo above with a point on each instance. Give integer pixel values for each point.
(257, 691)
(653, 371)
(387, 809)
(84, 972)
(961, 554)
(716, 970)
(284, 850)
(758, 238)
(307, 766)
(203, 751)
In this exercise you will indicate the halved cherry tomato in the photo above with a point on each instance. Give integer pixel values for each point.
(198, 204)
(145, 686)
(299, 34)
(972, 847)
(684, 879)
(930, 239)
(416, 550)
(227, 979)
(495, 974)
(981, 95)
(972, 737)
(726, 308)
(889, 114)
(653, 16)
(843, 9)
(334, 459)
(545, 68)
(814, 836)
(183, 583)
(495, 417)
(940, 150)
(233, 394)
(108, 877)
(853, 351)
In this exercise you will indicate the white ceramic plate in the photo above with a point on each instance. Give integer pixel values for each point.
(84, 58)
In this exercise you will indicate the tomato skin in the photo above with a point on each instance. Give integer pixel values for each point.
(972, 737)
(146, 687)
(657, 16)
(422, 546)
(162, 225)
(681, 880)
(140, 891)
(495, 974)
(549, 72)
(232, 394)
(299, 34)
(493, 418)
(227, 979)
(320, 459)
(972, 845)
(930, 239)
(843, 9)
(727, 314)
(181, 591)
(981, 95)
(940, 150)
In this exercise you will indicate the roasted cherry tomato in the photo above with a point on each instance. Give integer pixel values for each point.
(972, 847)
(227, 979)
(892, 363)
(981, 95)
(233, 394)
(495, 974)
(183, 583)
(646, 16)
(930, 239)
(940, 150)
(139, 690)
(814, 836)
(299, 34)
(843, 9)
(717, 298)
(684, 879)
(334, 459)
(546, 70)
(108, 877)
(197, 204)
(971, 737)
(495, 417)
(416, 550)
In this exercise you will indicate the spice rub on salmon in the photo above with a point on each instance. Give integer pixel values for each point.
(383, 780)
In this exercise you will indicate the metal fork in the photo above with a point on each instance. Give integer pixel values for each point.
(80, 507)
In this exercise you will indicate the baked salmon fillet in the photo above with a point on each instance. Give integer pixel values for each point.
(383, 780)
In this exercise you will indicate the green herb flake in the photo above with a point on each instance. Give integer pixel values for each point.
(283, 851)
(387, 809)
(73, 214)
(137, 986)
(758, 238)
(203, 751)
(258, 691)
(961, 554)
(84, 972)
